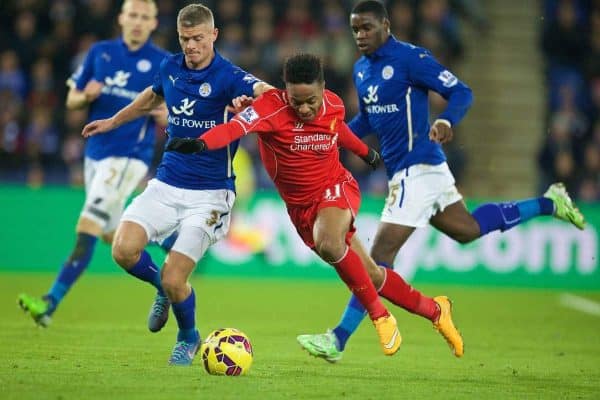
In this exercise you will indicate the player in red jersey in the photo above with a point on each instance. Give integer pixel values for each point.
(299, 130)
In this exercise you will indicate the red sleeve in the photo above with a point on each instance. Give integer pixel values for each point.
(222, 135)
(255, 118)
(350, 141)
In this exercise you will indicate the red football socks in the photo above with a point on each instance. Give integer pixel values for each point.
(396, 290)
(352, 271)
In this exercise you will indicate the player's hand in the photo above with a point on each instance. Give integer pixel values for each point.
(186, 145)
(98, 126)
(441, 132)
(92, 90)
(239, 103)
(372, 158)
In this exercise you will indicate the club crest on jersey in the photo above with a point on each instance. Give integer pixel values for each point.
(143, 65)
(120, 79)
(186, 107)
(333, 125)
(387, 72)
(248, 115)
(205, 89)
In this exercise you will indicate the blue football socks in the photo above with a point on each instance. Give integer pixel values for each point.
(147, 271)
(185, 313)
(72, 268)
(351, 319)
(503, 216)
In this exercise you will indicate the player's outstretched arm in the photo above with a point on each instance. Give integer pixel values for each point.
(143, 104)
(215, 138)
(349, 141)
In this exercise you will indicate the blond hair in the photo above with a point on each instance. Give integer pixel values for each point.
(195, 14)
(151, 2)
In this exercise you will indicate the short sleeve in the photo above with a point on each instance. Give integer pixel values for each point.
(157, 84)
(242, 82)
(85, 72)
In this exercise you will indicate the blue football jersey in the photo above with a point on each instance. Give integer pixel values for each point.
(197, 101)
(124, 74)
(392, 86)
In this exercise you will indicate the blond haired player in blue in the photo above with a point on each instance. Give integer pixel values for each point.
(112, 74)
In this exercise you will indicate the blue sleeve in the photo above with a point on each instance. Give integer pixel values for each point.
(426, 72)
(157, 86)
(359, 125)
(85, 72)
(242, 82)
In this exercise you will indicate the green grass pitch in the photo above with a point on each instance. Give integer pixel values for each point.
(519, 344)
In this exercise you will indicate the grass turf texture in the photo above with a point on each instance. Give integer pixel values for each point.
(519, 344)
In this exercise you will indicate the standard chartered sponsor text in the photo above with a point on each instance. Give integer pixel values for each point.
(308, 142)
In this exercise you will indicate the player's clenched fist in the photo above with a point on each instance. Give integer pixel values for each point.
(372, 158)
(441, 131)
(186, 145)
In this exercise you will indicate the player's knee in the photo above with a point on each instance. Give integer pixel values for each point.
(463, 238)
(124, 256)
(172, 285)
(376, 273)
(330, 249)
(384, 254)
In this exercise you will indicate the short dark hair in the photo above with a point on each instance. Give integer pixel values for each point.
(303, 68)
(371, 6)
(195, 14)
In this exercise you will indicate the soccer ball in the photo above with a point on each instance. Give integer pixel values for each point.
(227, 351)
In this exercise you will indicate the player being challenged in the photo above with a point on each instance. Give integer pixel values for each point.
(299, 130)
(191, 193)
(112, 74)
(392, 79)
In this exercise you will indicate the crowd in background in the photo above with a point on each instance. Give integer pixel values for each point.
(571, 47)
(43, 42)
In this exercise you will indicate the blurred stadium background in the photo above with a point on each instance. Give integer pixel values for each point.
(534, 68)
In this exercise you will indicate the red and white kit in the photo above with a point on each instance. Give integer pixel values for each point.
(302, 158)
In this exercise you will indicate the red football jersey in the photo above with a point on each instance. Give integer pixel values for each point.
(301, 157)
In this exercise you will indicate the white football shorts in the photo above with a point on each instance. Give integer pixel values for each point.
(417, 193)
(196, 215)
(108, 184)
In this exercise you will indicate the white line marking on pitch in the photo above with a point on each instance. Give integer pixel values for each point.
(580, 304)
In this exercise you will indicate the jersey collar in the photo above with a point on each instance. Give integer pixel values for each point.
(216, 59)
(144, 46)
(385, 49)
